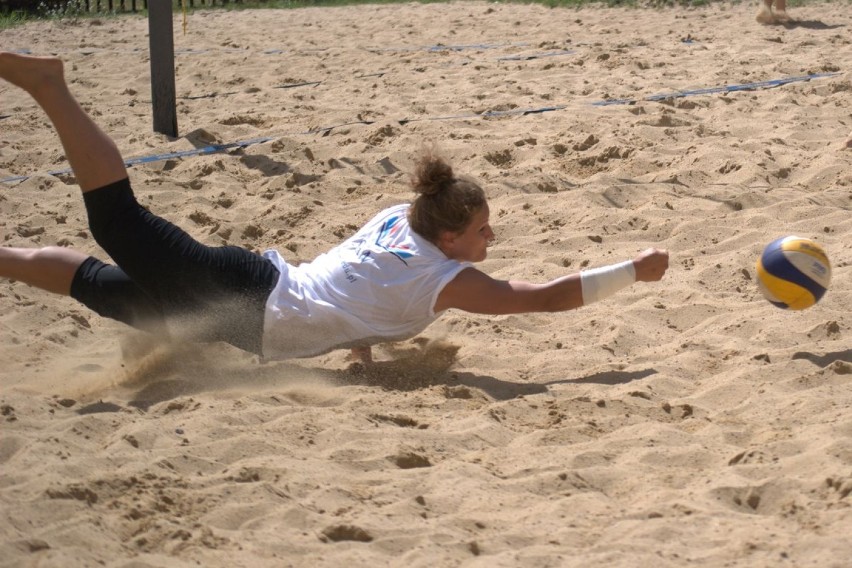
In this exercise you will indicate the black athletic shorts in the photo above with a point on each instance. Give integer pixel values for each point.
(163, 279)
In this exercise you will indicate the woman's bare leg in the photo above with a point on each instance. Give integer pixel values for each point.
(93, 156)
(48, 268)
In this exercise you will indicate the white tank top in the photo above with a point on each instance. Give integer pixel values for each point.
(379, 285)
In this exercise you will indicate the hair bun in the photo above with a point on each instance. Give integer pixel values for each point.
(432, 175)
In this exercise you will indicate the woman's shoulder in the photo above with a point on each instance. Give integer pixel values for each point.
(391, 214)
(392, 211)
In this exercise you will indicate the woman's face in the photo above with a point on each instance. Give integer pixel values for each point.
(471, 244)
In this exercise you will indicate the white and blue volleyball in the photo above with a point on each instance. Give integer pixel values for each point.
(793, 272)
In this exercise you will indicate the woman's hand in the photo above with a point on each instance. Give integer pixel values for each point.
(651, 264)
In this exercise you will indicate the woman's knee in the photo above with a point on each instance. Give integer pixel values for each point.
(105, 207)
(59, 256)
(49, 268)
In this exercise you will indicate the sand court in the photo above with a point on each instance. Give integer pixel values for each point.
(688, 421)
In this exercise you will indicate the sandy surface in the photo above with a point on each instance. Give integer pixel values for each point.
(684, 422)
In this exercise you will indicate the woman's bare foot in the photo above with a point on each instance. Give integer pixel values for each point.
(781, 17)
(29, 72)
(764, 15)
(92, 154)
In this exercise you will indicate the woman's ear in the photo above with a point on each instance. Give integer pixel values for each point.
(446, 242)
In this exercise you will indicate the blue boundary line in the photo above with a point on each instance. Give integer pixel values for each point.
(144, 51)
(439, 47)
(723, 89)
(212, 149)
(486, 114)
(182, 51)
(284, 86)
(536, 55)
(325, 131)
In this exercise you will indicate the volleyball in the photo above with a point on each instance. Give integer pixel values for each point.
(793, 272)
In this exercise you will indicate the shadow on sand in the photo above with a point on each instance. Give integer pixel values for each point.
(165, 374)
(811, 25)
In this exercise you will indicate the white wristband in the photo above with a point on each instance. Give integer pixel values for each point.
(603, 282)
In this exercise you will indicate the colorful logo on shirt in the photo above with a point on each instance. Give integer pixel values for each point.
(387, 233)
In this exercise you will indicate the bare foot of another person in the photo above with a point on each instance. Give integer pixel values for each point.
(848, 142)
(764, 15)
(30, 73)
(781, 17)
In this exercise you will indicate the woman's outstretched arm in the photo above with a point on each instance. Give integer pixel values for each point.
(476, 292)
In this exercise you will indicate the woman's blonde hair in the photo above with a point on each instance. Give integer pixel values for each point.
(444, 202)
